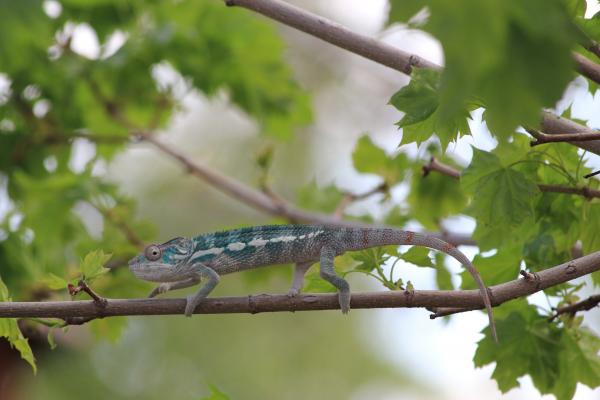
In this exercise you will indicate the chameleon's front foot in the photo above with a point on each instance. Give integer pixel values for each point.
(293, 292)
(162, 288)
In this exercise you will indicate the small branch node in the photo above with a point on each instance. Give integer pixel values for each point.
(532, 277)
(99, 301)
(252, 305)
(527, 275)
(571, 269)
(410, 296)
(412, 60)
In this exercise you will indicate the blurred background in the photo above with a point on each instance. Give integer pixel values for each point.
(259, 102)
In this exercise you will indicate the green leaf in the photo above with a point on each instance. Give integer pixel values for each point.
(579, 362)
(443, 278)
(419, 100)
(397, 217)
(590, 230)
(55, 282)
(215, 394)
(522, 61)
(418, 256)
(528, 345)
(504, 197)
(434, 197)
(51, 339)
(105, 16)
(313, 197)
(482, 165)
(92, 265)
(576, 7)
(110, 329)
(403, 10)
(501, 198)
(313, 283)
(9, 329)
(250, 59)
(373, 258)
(369, 158)
(25, 35)
(556, 359)
(502, 267)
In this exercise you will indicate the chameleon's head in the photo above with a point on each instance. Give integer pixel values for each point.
(162, 262)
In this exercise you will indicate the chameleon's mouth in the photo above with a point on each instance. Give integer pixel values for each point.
(156, 272)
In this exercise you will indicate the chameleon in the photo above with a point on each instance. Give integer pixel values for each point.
(182, 262)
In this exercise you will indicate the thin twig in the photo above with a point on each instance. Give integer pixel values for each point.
(336, 34)
(463, 299)
(99, 302)
(268, 203)
(592, 174)
(588, 193)
(349, 198)
(435, 165)
(587, 67)
(365, 46)
(82, 286)
(553, 124)
(129, 233)
(585, 191)
(584, 305)
(541, 137)
(395, 58)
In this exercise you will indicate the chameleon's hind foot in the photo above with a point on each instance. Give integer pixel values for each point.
(344, 298)
(191, 304)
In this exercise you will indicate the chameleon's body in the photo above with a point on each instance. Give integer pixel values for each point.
(182, 262)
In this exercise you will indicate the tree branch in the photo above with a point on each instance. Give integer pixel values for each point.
(271, 204)
(594, 48)
(587, 67)
(460, 299)
(351, 197)
(541, 137)
(395, 58)
(588, 193)
(585, 191)
(584, 305)
(553, 124)
(435, 165)
(336, 34)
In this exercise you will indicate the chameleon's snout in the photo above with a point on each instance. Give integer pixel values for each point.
(133, 261)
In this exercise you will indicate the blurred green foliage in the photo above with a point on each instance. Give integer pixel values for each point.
(512, 58)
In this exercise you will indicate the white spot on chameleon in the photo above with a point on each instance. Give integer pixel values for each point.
(283, 239)
(258, 242)
(213, 250)
(237, 246)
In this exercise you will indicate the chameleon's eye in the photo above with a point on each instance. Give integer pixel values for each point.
(152, 252)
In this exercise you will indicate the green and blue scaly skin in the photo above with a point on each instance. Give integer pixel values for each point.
(183, 262)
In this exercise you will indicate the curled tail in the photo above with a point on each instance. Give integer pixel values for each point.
(365, 238)
(438, 244)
